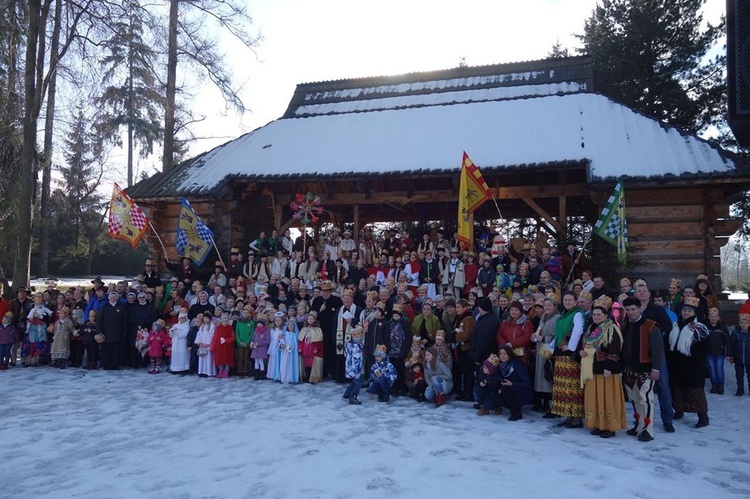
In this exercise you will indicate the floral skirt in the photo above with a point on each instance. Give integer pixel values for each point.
(567, 394)
(605, 403)
(687, 399)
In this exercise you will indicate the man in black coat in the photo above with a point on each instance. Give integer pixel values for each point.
(326, 306)
(483, 341)
(140, 315)
(111, 322)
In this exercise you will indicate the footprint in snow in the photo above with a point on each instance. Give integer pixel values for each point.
(311, 452)
(381, 482)
(442, 452)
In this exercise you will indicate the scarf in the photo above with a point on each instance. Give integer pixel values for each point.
(599, 336)
(506, 369)
(683, 335)
(564, 324)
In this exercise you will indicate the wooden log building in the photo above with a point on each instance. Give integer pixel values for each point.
(389, 149)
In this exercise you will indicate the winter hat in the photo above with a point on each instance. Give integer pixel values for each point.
(8, 314)
(379, 354)
(450, 302)
(486, 305)
(491, 363)
(158, 325)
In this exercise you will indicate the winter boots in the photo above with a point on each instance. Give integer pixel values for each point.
(740, 391)
(702, 420)
(353, 400)
(720, 389)
(439, 399)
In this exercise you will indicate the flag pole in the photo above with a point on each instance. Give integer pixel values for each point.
(166, 256)
(580, 252)
(218, 253)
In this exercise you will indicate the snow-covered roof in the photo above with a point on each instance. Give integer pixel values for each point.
(358, 133)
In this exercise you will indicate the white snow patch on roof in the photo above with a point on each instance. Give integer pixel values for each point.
(616, 140)
(433, 99)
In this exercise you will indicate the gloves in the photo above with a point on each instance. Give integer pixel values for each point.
(222, 340)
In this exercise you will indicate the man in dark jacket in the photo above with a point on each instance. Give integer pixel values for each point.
(111, 322)
(483, 340)
(19, 307)
(661, 318)
(642, 358)
(140, 315)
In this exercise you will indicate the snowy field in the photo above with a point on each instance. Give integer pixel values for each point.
(76, 433)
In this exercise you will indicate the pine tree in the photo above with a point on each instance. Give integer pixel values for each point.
(131, 100)
(651, 55)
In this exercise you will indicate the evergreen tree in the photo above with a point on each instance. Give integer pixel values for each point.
(131, 100)
(77, 207)
(651, 55)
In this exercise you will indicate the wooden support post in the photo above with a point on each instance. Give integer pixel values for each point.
(355, 210)
(278, 213)
(562, 213)
(546, 216)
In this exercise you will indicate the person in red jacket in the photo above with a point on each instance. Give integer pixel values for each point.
(222, 346)
(156, 339)
(515, 331)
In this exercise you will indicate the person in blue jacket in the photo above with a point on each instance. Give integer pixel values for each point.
(382, 377)
(516, 388)
(739, 352)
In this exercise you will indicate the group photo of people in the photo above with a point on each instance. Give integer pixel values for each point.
(505, 330)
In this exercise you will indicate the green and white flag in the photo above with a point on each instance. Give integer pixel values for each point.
(612, 226)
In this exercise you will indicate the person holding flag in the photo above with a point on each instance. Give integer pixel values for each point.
(472, 193)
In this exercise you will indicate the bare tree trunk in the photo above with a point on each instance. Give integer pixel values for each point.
(27, 187)
(43, 261)
(169, 106)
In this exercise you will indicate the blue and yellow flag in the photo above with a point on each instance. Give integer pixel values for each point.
(194, 239)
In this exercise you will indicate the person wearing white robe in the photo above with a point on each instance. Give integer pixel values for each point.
(180, 354)
(277, 341)
(204, 338)
(289, 355)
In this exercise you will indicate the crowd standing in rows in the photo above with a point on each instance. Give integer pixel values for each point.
(500, 329)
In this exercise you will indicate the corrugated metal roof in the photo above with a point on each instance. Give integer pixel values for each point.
(613, 139)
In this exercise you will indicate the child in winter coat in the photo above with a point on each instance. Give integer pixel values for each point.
(355, 364)
(8, 337)
(415, 375)
(88, 332)
(157, 337)
(223, 346)
(382, 375)
(259, 345)
(63, 330)
(487, 385)
(311, 348)
(36, 329)
(438, 378)
(243, 331)
(739, 353)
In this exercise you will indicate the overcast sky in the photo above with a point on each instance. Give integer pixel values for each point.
(305, 41)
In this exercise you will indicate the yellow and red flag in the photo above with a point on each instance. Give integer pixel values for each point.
(126, 220)
(472, 193)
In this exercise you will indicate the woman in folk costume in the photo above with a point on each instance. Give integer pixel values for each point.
(412, 270)
(63, 330)
(426, 244)
(311, 348)
(289, 367)
(203, 339)
(276, 344)
(567, 395)
(340, 276)
(601, 370)
(471, 272)
(686, 359)
(310, 268)
(542, 337)
(180, 361)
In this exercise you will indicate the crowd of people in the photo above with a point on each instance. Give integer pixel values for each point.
(502, 328)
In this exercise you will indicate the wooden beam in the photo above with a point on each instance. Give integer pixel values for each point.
(405, 197)
(562, 211)
(534, 206)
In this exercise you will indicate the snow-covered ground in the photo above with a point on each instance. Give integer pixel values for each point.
(77, 433)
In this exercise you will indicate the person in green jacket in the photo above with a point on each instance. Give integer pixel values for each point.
(243, 330)
(426, 324)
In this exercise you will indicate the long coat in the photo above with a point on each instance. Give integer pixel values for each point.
(111, 321)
